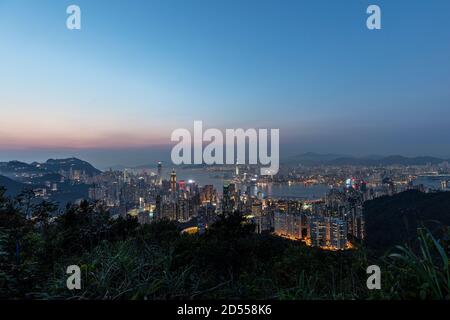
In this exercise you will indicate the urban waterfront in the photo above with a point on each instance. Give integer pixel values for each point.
(217, 179)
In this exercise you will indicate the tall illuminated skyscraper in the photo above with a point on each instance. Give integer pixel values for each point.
(173, 181)
(159, 172)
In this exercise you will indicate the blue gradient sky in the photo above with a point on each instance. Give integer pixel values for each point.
(139, 69)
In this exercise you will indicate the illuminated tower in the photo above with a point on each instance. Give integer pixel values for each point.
(160, 173)
(173, 181)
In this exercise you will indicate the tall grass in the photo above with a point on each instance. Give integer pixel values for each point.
(124, 270)
(429, 267)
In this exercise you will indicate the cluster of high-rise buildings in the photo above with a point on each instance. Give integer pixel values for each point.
(330, 222)
(324, 223)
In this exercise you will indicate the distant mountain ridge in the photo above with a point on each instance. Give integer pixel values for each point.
(54, 166)
(50, 166)
(312, 159)
(16, 176)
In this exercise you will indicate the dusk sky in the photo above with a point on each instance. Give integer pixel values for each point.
(113, 92)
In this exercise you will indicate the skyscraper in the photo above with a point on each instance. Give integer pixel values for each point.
(338, 234)
(159, 172)
(229, 197)
(173, 181)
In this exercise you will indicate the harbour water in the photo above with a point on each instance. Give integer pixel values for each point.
(431, 181)
(274, 190)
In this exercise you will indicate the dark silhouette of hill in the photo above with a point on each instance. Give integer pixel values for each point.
(50, 177)
(393, 220)
(55, 165)
(67, 192)
(388, 161)
(12, 187)
(16, 168)
(311, 159)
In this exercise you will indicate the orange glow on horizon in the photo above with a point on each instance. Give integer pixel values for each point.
(71, 143)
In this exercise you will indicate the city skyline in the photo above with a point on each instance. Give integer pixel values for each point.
(113, 91)
(225, 155)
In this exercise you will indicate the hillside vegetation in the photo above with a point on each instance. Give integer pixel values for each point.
(120, 259)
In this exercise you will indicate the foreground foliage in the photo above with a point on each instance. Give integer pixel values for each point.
(120, 259)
